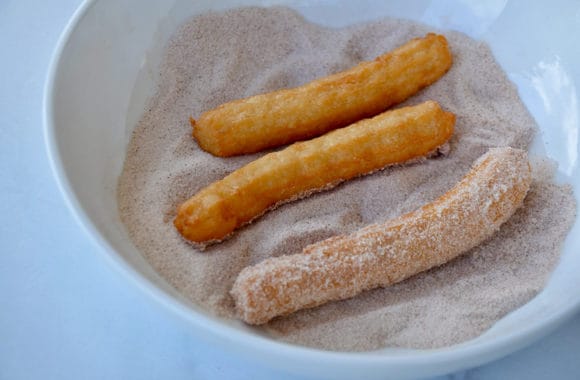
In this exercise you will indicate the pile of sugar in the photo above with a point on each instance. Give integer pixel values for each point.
(219, 57)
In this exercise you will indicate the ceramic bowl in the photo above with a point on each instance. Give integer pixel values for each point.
(104, 71)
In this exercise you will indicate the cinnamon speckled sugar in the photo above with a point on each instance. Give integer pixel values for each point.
(219, 57)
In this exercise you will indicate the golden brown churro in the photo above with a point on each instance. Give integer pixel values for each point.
(303, 168)
(383, 254)
(285, 116)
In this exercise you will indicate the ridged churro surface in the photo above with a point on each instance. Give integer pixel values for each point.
(392, 137)
(285, 116)
(386, 253)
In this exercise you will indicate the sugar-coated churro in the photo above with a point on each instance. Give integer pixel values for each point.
(383, 254)
(285, 116)
(303, 168)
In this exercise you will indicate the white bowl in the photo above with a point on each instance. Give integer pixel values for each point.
(103, 72)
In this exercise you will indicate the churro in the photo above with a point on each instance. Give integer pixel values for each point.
(390, 138)
(383, 254)
(285, 116)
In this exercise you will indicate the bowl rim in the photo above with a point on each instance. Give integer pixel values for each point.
(448, 358)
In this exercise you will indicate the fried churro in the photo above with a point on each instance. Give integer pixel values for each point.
(285, 116)
(390, 138)
(383, 254)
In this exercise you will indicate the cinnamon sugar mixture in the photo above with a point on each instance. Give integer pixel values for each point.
(219, 57)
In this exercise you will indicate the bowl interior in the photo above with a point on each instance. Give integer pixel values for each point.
(105, 72)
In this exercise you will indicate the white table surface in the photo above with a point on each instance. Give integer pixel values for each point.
(64, 312)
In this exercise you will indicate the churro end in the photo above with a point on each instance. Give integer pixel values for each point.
(204, 138)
